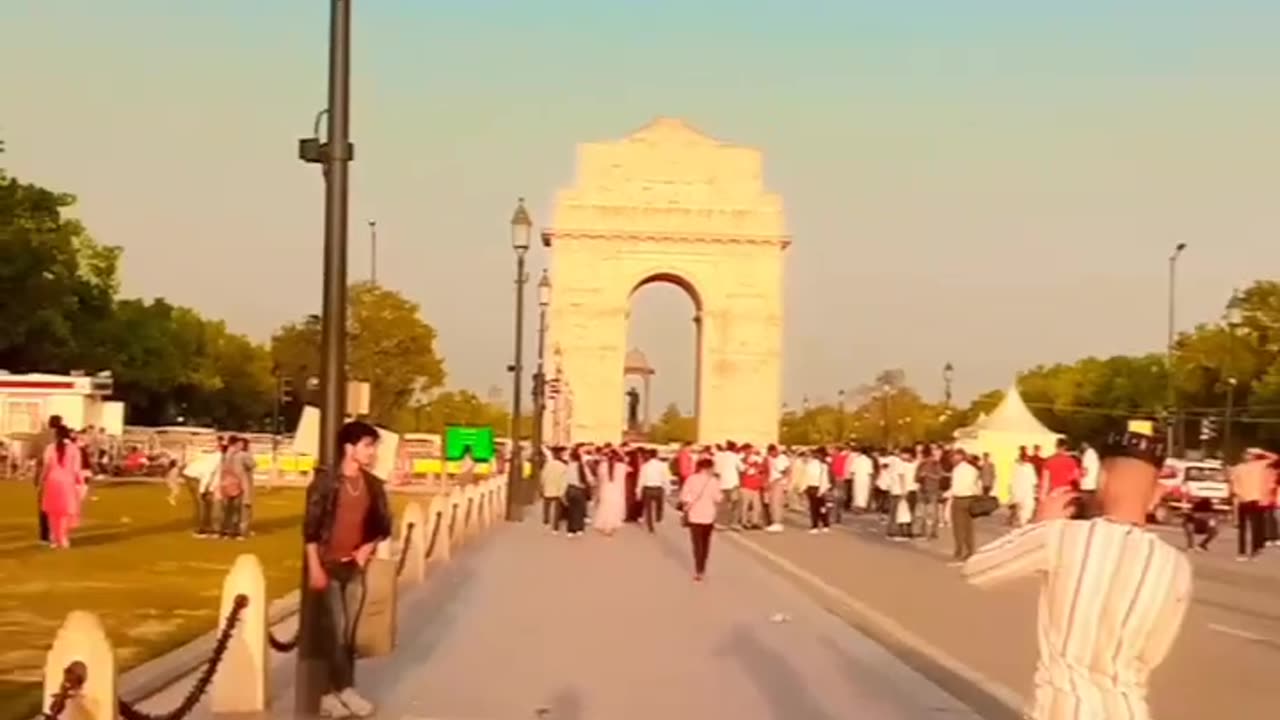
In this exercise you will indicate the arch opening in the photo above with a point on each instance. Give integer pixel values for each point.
(662, 366)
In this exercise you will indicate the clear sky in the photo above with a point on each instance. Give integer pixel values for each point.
(994, 183)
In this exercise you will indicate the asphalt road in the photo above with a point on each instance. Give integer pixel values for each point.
(1226, 660)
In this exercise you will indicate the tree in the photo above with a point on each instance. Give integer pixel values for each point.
(453, 407)
(57, 282)
(389, 346)
(672, 426)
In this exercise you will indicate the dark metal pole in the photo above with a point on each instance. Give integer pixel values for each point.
(373, 251)
(311, 680)
(275, 425)
(515, 481)
(1227, 456)
(1170, 391)
(540, 395)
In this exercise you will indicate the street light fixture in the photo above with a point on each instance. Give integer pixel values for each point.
(540, 376)
(1170, 391)
(842, 431)
(521, 233)
(885, 391)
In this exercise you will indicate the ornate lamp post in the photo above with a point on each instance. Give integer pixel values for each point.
(540, 375)
(521, 230)
(885, 391)
(841, 427)
(1171, 397)
(335, 156)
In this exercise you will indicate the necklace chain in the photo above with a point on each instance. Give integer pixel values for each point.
(353, 492)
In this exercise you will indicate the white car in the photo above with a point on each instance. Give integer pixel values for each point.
(1186, 481)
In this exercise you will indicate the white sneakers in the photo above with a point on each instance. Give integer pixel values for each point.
(345, 704)
(774, 528)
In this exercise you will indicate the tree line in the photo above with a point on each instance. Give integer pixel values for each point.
(63, 312)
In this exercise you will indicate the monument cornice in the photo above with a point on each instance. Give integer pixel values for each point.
(551, 234)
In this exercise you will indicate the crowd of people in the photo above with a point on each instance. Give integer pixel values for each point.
(916, 490)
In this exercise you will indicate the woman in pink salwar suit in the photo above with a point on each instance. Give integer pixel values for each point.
(61, 488)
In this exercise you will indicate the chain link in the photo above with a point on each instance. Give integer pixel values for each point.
(285, 646)
(404, 549)
(435, 533)
(184, 708)
(73, 678)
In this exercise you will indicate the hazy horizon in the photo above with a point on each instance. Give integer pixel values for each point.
(995, 185)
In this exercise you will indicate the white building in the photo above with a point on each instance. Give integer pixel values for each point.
(27, 402)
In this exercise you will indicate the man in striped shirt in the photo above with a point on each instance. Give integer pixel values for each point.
(1112, 598)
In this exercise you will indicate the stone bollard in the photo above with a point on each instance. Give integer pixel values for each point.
(473, 510)
(491, 493)
(413, 533)
(240, 684)
(82, 639)
(439, 515)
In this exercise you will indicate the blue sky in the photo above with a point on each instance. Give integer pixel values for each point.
(996, 184)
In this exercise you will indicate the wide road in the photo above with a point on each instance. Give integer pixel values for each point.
(526, 624)
(904, 594)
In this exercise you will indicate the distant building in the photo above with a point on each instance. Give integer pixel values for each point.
(27, 401)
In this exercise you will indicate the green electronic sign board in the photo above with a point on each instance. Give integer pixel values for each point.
(459, 439)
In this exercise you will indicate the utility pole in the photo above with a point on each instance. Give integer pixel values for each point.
(373, 251)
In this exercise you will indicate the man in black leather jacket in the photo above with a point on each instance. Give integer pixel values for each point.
(347, 515)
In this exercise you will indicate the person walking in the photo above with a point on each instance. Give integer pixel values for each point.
(1113, 594)
(553, 482)
(576, 485)
(699, 497)
(817, 482)
(651, 487)
(39, 445)
(1023, 491)
(61, 487)
(611, 508)
(232, 487)
(1252, 484)
(966, 484)
(779, 465)
(346, 516)
(929, 477)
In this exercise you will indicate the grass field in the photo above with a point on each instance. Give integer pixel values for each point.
(134, 562)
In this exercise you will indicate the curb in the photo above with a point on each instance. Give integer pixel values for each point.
(987, 697)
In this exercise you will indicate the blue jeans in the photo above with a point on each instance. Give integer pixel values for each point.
(343, 601)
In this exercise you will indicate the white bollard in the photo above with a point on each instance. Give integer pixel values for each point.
(82, 639)
(457, 517)
(473, 510)
(240, 684)
(413, 533)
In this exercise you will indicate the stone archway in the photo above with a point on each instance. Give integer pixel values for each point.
(669, 204)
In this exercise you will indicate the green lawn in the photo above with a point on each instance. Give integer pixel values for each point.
(134, 562)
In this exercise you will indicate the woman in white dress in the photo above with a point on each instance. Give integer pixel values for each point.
(611, 508)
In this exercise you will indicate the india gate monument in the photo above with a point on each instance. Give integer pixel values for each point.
(668, 204)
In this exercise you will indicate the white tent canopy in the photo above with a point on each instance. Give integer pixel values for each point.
(1008, 428)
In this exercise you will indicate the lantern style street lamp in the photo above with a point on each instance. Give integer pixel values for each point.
(521, 232)
(540, 378)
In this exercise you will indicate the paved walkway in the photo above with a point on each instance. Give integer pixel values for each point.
(524, 624)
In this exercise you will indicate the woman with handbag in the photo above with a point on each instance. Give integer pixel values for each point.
(698, 499)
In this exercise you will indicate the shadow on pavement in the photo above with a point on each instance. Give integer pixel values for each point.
(787, 693)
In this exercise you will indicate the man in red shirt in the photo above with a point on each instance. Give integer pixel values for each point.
(754, 477)
(1060, 470)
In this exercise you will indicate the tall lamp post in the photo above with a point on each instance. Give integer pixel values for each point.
(885, 390)
(841, 427)
(948, 374)
(1171, 398)
(373, 251)
(1230, 318)
(335, 155)
(540, 375)
(521, 230)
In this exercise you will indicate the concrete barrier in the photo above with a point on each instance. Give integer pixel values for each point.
(81, 639)
(240, 685)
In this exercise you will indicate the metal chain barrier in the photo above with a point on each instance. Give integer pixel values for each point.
(284, 646)
(129, 712)
(435, 533)
(73, 677)
(404, 550)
